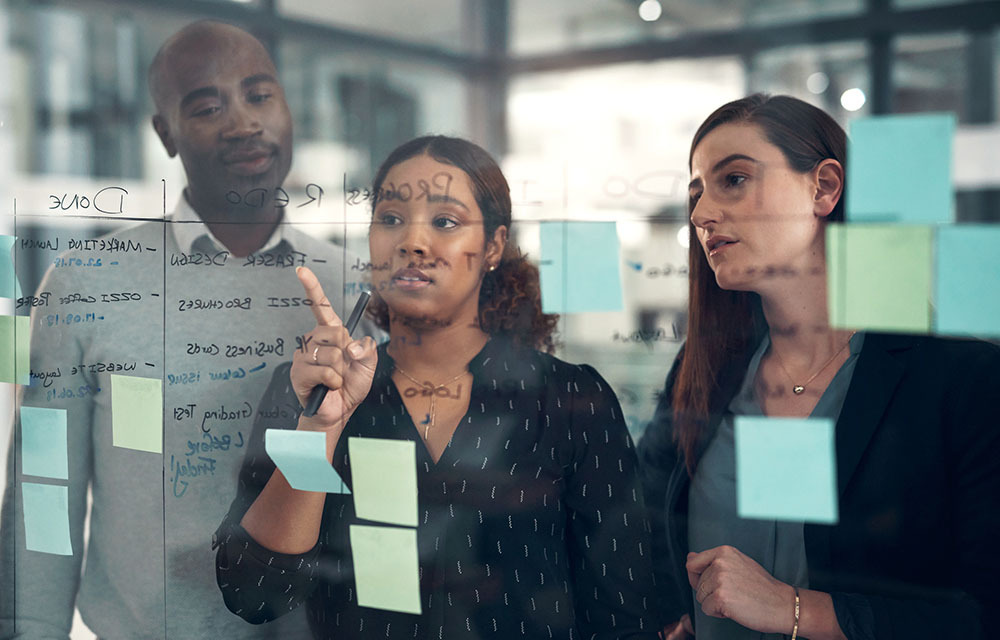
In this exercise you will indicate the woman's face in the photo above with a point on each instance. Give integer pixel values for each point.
(757, 220)
(428, 246)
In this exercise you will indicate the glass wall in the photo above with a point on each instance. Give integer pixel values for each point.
(589, 107)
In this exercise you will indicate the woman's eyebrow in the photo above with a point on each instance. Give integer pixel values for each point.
(446, 199)
(733, 157)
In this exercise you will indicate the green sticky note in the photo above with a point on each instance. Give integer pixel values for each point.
(301, 456)
(967, 281)
(580, 267)
(786, 469)
(15, 336)
(46, 518)
(879, 277)
(386, 570)
(899, 169)
(384, 479)
(137, 413)
(9, 286)
(43, 442)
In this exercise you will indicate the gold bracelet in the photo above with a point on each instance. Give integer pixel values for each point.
(795, 627)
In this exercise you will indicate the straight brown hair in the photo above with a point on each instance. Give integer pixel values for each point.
(722, 324)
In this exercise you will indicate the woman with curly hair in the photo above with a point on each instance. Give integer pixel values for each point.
(530, 511)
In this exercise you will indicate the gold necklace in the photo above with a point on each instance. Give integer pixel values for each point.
(799, 389)
(430, 389)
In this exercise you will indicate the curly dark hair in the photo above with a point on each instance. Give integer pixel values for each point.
(510, 301)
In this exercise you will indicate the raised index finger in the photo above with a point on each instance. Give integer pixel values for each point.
(321, 307)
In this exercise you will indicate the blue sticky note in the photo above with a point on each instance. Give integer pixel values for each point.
(46, 518)
(301, 456)
(580, 267)
(967, 281)
(15, 338)
(9, 286)
(786, 469)
(43, 442)
(899, 169)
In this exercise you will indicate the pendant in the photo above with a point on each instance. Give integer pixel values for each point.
(798, 389)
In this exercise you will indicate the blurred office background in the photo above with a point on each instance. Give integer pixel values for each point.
(590, 104)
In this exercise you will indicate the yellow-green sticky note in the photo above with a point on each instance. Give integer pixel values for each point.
(9, 286)
(46, 518)
(879, 277)
(43, 442)
(384, 479)
(786, 469)
(137, 413)
(386, 569)
(899, 169)
(15, 336)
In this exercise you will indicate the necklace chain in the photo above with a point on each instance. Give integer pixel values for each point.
(799, 389)
(433, 388)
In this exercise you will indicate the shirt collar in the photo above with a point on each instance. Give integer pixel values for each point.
(190, 231)
(487, 360)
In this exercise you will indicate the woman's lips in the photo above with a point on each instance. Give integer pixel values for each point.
(410, 279)
(718, 245)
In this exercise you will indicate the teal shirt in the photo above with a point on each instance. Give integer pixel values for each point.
(779, 547)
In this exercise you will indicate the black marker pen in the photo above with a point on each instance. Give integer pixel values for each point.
(318, 394)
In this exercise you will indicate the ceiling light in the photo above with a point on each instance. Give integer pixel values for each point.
(650, 10)
(852, 99)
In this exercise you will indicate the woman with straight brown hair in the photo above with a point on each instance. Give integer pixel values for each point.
(914, 553)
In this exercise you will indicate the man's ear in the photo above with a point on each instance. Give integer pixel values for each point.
(496, 246)
(829, 185)
(163, 131)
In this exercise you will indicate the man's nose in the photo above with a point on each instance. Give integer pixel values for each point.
(241, 123)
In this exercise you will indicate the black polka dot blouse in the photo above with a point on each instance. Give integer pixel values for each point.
(531, 525)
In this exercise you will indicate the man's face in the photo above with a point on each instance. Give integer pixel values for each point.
(224, 112)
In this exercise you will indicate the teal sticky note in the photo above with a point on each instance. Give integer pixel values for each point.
(43, 442)
(879, 277)
(386, 569)
(580, 267)
(15, 337)
(899, 169)
(301, 456)
(9, 286)
(786, 469)
(46, 518)
(967, 281)
(137, 413)
(384, 478)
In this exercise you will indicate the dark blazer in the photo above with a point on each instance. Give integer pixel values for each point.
(916, 552)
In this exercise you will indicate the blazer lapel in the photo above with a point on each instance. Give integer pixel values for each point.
(872, 385)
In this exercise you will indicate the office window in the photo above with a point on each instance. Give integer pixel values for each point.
(929, 74)
(451, 25)
(829, 76)
(558, 25)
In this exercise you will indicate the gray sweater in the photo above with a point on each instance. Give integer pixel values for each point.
(212, 327)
